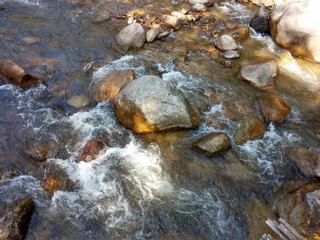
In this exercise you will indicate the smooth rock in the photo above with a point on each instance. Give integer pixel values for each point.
(173, 22)
(295, 27)
(250, 128)
(198, 7)
(164, 34)
(211, 144)
(14, 219)
(152, 35)
(79, 101)
(273, 107)
(307, 161)
(15, 75)
(231, 54)
(92, 149)
(208, 3)
(260, 21)
(225, 43)
(132, 36)
(108, 87)
(240, 34)
(260, 75)
(151, 104)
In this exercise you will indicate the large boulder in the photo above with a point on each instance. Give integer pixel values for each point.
(307, 161)
(14, 219)
(132, 36)
(260, 21)
(15, 75)
(151, 104)
(260, 75)
(211, 144)
(295, 27)
(108, 87)
(273, 107)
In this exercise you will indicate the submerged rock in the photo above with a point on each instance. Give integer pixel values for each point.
(260, 75)
(273, 107)
(152, 35)
(231, 54)
(108, 87)
(260, 21)
(225, 43)
(295, 27)
(14, 219)
(78, 101)
(307, 161)
(15, 75)
(250, 128)
(132, 36)
(92, 149)
(240, 34)
(208, 3)
(43, 150)
(151, 104)
(211, 144)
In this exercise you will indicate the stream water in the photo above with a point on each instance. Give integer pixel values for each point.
(148, 186)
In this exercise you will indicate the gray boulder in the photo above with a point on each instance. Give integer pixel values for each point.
(295, 27)
(260, 21)
(211, 144)
(225, 43)
(151, 104)
(260, 75)
(132, 36)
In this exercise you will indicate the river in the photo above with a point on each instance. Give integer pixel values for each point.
(149, 186)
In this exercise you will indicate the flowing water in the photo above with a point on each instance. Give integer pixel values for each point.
(148, 186)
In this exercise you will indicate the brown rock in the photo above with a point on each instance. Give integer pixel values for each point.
(240, 34)
(108, 87)
(307, 161)
(211, 144)
(273, 107)
(250, 128)
(14, 219)
(43, 150)
(15, 75)
(173, 22)
(91, 150)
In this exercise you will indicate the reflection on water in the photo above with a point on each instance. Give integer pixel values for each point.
(148, 186)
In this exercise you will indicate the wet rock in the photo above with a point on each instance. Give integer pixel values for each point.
(260, 21)
(231, 54)
(307, 161)
(183, 8)
(91, 150)
(108, 87)
(173, 22)
(266, 3)
(295, 27)
(250, 128)
(150, 104)
(152, 35)
(55, 178)
(211, 144)
(260, 75)
(208, 3)
(231, 26)
(132, 36)
(100, 16)
(273, 107)
(198, 7)
(43, 150)
(79, 101)
(192, 18)
(240, 34)
(225, 43)
(14, 219)
(15, 75)
(31, 39)
(181, 16)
